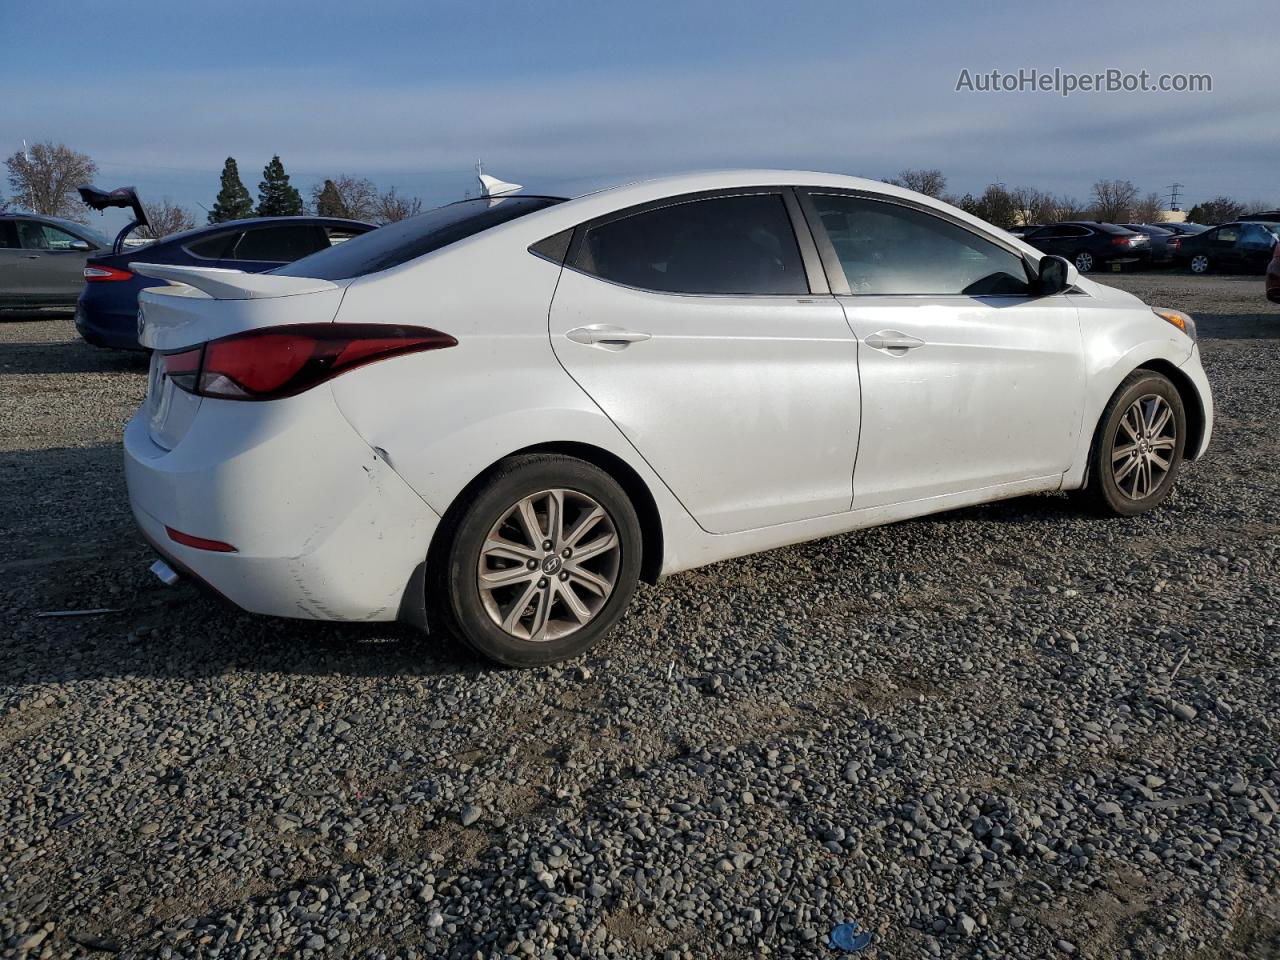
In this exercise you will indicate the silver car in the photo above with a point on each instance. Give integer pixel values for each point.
(42, 260)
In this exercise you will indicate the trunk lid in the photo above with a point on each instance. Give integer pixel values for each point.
(200, 304)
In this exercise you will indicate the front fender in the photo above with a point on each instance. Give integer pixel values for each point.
(1105, 378)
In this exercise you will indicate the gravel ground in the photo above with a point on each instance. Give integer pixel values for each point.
(1011, 731)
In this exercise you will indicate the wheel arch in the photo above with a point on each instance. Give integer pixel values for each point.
(1191, 402)
(632, 483)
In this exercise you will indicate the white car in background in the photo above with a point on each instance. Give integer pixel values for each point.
(499, 415)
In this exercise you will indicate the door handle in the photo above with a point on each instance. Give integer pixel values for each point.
(604, 334)
(893, 340)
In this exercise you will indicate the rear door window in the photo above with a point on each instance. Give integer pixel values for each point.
(887, 248)
(280, 244)
(337, 235)
(214, 248)
(722, 245)
(8, 235)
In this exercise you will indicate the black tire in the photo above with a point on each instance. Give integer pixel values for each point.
(1084, 262)
(1103, 492)
(453, 578)
(1202, 262)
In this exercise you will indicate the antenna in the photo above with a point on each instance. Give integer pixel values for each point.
(1173, 189)
(31, 190)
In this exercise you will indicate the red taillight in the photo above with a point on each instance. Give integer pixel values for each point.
(200, 543)
(1121, 240)
(1175, 242)
(106, 274)
(283, 361)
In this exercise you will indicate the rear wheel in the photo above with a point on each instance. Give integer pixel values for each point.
(1200, 263)
(542, 562)
(1084, 261)
(1137, 452)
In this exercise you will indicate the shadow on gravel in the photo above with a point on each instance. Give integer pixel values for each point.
(68, 356)
(26, 315)
(1238, 326)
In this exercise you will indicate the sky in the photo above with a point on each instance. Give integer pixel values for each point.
(557, 95)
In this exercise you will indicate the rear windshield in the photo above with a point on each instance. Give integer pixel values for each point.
(398, 243)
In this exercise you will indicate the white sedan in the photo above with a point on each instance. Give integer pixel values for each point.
(498, 416)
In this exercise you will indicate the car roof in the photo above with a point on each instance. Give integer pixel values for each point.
(599, 202)
(43, 218)
(209, 228)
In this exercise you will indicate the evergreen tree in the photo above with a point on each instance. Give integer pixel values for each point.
(329, 201)
(276, 197)
(233, 202)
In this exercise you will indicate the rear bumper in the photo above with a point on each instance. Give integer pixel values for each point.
(323, 528)
(101, 328)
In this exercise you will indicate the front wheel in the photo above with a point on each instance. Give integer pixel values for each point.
(1084, 261)
(1138, 449)
(542, 561)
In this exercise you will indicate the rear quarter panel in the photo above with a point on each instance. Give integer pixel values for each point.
(442, 417)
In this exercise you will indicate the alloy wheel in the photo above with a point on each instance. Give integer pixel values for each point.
(1142, 451)
(548, 565)
(1084, 262)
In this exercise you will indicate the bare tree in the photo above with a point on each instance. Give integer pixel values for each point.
(1114, 200)
(45, 177)
(355, 198)
(392, 207)
(929, 182)
(1149, 209)
(1064, 208)
(165, 218)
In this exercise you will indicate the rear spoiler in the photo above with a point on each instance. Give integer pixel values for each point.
(221, 283)
(122, 197)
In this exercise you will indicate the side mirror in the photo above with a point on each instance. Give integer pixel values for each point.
(1055, 275)
(82, 245)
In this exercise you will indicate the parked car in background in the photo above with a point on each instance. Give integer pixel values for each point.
(498, 416)
(107, 313)
(42, 260)
(1159, 237)
(1090, 244)
(1270, 216)
(1021, 230)
(1273, 277)
(1181, 229)
(1244, 247)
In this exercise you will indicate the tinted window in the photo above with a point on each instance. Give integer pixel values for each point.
(282, 244)
(725, 245)
(42, 236)
(398, 243)
(1256, 233)
(8, 235)
(339, 235)
(215, 247)
(886, 248)
(1227, 234)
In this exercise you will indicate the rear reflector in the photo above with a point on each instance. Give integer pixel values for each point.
(199, 543)
(277, 362)
(106, 274)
